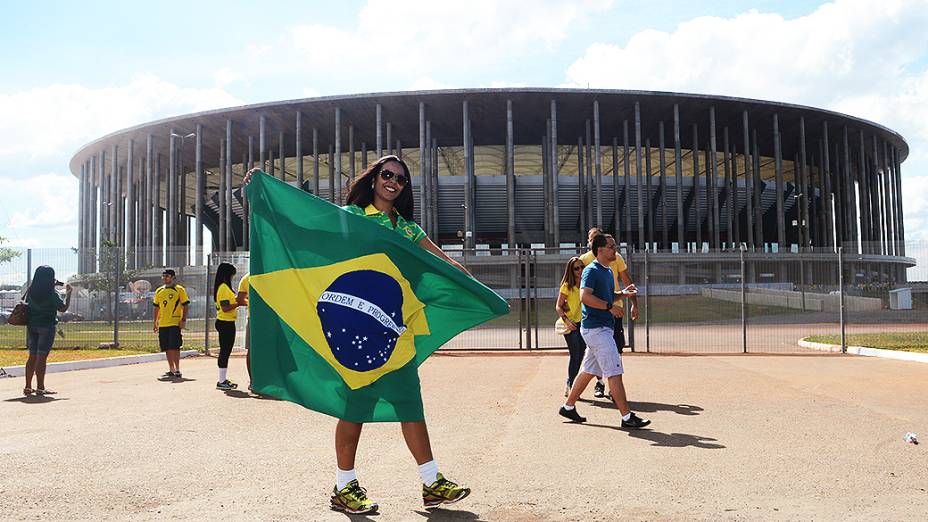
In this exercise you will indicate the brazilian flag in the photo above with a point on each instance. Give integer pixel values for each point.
(343, 310)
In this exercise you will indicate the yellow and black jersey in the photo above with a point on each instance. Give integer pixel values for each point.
(171, 300)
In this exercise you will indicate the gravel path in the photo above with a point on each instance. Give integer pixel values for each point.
(733, 438)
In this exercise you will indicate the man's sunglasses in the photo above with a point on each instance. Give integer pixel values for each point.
(389, 174)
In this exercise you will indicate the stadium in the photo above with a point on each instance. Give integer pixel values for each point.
(680, 176)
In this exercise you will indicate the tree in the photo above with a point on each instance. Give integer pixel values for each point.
(7, 254)
(113, 272)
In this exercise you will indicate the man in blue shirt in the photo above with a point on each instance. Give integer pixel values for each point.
(597, 292)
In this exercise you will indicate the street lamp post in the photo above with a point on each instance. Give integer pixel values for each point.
(180, 221)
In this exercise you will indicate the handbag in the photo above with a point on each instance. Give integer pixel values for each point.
(20, 314)
(561, 328)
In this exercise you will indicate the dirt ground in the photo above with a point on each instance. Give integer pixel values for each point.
(733, 438)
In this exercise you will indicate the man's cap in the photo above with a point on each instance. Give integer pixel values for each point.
(169, 272)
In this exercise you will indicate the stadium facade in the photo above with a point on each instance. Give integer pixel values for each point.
(668, 173)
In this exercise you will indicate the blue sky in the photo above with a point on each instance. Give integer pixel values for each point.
(84, 69)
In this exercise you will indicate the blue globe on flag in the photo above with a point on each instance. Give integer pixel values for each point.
(361, 314)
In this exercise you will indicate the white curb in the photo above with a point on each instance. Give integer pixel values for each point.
(19, 371)
(867, 351)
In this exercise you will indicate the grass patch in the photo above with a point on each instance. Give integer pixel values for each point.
(665, 309)
(901, 341)
(18, 357)
(90, 334)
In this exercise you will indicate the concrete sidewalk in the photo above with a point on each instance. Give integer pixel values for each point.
(733, 437)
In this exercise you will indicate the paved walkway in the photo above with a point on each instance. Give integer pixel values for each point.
(734, 437)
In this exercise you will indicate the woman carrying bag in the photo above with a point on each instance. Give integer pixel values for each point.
(568, 311)
(44, 304)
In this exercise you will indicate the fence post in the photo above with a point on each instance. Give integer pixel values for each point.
(629, 321)
(206, 293)
(841, 298)
(647, 300)
(535, 298)
(28, 284)
(802, 278)
(117, 271)
(744, 312)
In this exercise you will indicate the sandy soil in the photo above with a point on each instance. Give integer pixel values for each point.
(733, 438)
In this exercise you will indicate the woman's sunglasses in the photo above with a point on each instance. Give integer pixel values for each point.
(578, 268)
(389, 174)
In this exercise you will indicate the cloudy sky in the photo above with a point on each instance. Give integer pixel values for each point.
(78, 70)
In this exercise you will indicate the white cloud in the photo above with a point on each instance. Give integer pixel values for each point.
(52, 201)
(424, 38)
(42, 127)
(842, 49)
(915, 207)
(427, 84)
(225, 76)
(47, 122)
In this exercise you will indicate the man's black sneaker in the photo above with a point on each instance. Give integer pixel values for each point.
(571, 414)
(635, 422)
(177, 375)
(599, 390)
(226, 385)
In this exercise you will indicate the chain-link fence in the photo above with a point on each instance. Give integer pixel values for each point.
(691, 302)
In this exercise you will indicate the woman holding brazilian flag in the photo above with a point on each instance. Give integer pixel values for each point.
(347, 303)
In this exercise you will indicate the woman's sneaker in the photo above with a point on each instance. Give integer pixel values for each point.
(226, 385)
(352, 499)
(443, 491)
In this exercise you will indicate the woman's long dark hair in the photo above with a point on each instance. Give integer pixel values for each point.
(571, 279)
(361, 192)
(223, 276)
(43, 284)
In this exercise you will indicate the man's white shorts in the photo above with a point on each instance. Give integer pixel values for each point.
(601, 356)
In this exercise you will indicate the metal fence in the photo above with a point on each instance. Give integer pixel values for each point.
(692, 302)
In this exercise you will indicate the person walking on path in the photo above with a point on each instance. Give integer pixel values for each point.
(383, 193)
(619, 272)
(568, 309)
(170, 317)
(597, 295)
(44, 305)
(226, 304)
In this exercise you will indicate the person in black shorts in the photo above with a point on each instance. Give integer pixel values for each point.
(170, 317)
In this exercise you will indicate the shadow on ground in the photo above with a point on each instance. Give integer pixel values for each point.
(36, 399)
(175, 380)
(659, 439)
(448, 514)
(239, 394)
(648, 407)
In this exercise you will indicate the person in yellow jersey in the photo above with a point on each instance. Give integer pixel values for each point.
(170, 318)
(628, 289)
(242, 300)
(383, 193)
(226, 304)
(568, 309)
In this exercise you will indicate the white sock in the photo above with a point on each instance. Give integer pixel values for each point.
(568, 407)
(222, 374)
(627, 416)
(342, 478)
(428, 472)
